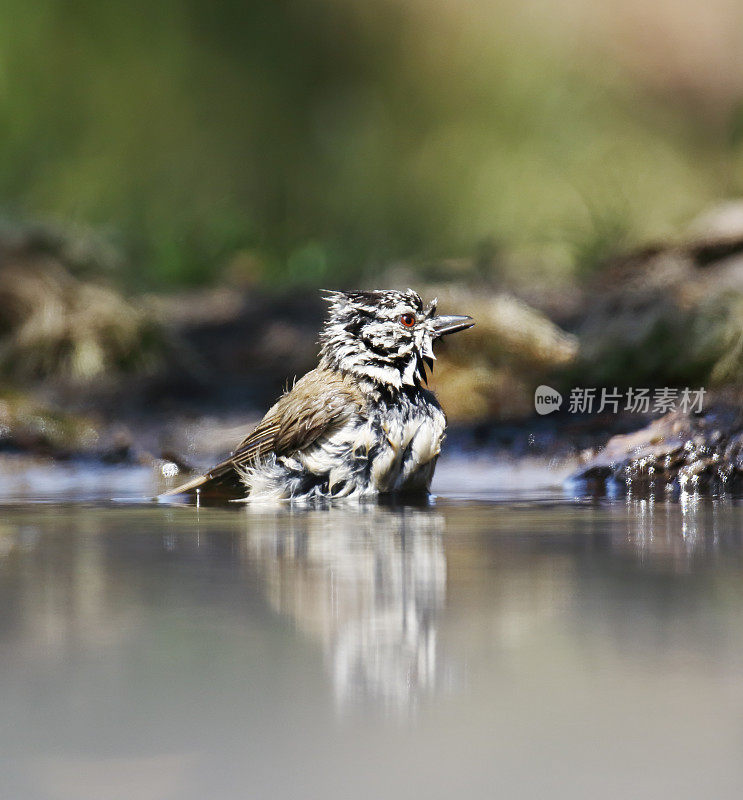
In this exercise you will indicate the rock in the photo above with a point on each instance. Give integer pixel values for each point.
(491, 370)
(55, 324)
(720, 225)
(676, 453)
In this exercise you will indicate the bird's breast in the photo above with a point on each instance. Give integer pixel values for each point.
(406, 444)
(379, 450)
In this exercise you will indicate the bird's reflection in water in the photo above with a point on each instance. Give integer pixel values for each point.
(369, 584)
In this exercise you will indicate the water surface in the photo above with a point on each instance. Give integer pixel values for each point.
(474, 648)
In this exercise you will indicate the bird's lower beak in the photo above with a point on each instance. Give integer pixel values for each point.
(449, 324)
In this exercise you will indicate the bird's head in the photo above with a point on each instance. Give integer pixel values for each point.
(384, 336)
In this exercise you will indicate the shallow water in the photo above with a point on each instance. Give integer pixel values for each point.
(477, 647)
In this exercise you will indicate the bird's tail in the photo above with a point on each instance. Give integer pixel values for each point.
(187, 488)
(224, 482)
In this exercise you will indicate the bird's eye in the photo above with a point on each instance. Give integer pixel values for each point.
(407, 320)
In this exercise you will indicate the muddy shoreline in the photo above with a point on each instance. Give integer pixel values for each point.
(91, 374)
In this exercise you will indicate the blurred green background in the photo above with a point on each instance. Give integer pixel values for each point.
(314, 141)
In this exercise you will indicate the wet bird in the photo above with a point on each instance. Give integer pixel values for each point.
(362, 423)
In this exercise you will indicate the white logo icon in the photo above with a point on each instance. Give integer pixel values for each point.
(546, 400)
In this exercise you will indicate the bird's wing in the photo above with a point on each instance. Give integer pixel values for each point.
(317, 403)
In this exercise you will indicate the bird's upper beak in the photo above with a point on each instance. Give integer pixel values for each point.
(444, 324)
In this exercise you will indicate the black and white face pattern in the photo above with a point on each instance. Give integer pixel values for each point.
(385, 336)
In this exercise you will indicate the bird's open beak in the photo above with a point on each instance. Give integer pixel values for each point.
(444, 325)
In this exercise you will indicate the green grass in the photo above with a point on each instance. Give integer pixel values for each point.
(315, 141)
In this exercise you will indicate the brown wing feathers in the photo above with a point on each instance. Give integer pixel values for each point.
(316, 403)
(258, 443)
